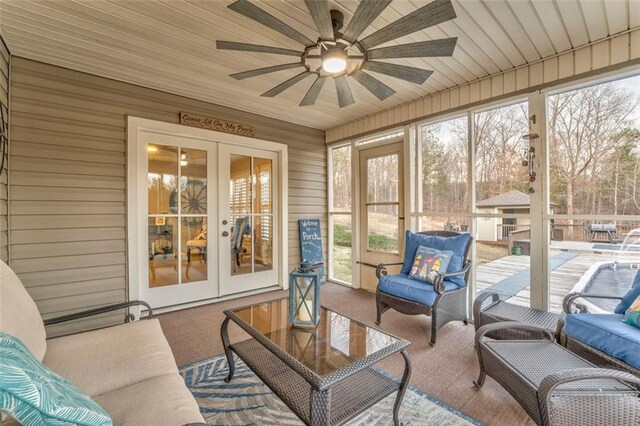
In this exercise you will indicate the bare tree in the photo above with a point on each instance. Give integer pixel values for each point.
(583, 129)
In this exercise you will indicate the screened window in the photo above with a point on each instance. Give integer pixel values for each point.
(341, 230)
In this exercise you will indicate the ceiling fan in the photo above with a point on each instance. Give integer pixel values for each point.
(340, 54)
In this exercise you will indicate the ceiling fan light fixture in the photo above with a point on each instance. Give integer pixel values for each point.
(334, 60)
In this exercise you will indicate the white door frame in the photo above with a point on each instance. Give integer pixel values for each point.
(135, 125)
(363, 254)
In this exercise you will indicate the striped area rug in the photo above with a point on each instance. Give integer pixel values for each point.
(248, 401)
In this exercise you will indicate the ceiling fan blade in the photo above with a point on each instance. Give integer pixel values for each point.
(251, 11)
(403, 72)
(319, 10)
(246, 47)
(365, 14)
(284, 86)
(372, 84)
(345, 97)
(421, 49)
(434, 13)
(266, 70)
(314, 91)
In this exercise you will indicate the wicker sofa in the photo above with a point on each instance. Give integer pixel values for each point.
(602, 339)
(129, 369)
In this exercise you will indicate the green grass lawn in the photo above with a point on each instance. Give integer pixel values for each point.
(342, 250)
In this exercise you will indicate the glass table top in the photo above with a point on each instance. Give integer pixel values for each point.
(336, 342)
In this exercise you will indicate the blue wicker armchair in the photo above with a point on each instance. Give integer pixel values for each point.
(445, 300)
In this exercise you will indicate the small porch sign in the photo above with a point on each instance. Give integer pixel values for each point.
(311, 243)
(212, 123)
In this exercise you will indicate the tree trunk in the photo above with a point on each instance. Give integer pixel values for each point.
(570, 206)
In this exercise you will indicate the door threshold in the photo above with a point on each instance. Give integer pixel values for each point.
(181, 306)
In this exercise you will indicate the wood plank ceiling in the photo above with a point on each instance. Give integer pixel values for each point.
(170, 45)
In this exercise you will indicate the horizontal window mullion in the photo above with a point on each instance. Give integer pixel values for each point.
(606, 217)
(386, 203)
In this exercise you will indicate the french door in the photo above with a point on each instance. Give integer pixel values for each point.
(247, 210)
(206, 217)
(381, 209)
(180, 196)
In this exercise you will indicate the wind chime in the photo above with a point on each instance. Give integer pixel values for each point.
(530, 154)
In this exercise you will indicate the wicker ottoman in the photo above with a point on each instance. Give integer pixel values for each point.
(500, 311)
(553, 385)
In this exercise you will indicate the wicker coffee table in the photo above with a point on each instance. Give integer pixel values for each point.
(324, 375)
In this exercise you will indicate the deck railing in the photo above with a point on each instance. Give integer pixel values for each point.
(504, 230)
(567, 232)
(580, 232)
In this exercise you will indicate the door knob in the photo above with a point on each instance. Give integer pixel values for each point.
(225, 234)
(224, 222)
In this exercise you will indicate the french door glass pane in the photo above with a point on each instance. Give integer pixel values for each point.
(262, 177)
(194, 245)
(263, 243)
(382, 228)
(241, 245)
(240, 184)
(382, 179)
(341, 250)
(341, 179)
(193, 181)
(162, 179)
(444, 166)
(163, 235)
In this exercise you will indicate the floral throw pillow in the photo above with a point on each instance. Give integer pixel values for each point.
(429, 263)
(632, 316)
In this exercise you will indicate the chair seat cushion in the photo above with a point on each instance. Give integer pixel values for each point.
(417, 291)
(607, 333)
(162, 400)
(110, 358)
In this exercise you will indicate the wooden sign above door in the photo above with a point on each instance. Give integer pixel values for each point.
(212, 123)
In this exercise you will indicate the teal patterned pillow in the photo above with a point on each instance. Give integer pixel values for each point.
(632, 316)
(34, 395)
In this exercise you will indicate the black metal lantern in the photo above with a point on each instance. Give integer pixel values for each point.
(304, 297)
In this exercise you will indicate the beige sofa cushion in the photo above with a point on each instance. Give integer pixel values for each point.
(163, 400)
(103, 360)
(19, 315)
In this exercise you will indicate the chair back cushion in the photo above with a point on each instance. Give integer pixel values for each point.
(19, 314)
(457, 244)
(628, 298)
(34, 395)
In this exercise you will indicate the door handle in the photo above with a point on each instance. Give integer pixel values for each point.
(225, 234)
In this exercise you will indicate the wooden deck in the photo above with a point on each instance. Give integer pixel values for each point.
(563, 278)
